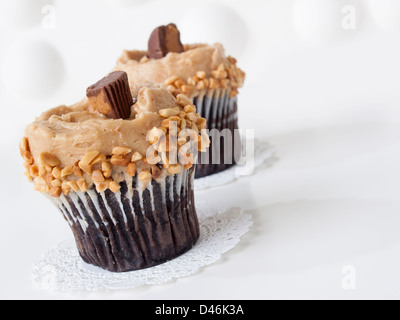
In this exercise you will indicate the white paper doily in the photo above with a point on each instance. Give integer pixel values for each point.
(63, 269)
(263, 154)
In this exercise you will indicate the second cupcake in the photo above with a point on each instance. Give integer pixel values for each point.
(202, 72)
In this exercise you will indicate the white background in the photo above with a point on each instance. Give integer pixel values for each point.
(328, 98)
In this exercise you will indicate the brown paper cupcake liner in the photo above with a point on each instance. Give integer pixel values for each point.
(221, 113)
(134, 229)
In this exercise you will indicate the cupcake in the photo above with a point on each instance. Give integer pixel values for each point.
(119, 167)
(205, 74)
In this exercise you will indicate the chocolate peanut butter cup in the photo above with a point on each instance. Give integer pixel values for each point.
(163, 40)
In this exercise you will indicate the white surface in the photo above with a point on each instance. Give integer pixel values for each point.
(259, 155)
(386, 14)
(217, 22)
(316, 20)
(45, 65)
(22, 13)
(330, 108)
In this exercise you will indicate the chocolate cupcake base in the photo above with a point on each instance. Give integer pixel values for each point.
(221, 113)
(134, 229)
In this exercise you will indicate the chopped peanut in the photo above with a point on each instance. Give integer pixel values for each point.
(201, 75)
(187, 89)
(114, 186)
(49, 178)
(183, 124)
(55, 192)
(67, 171)
(224, 83)
(105, 166)
(166, 113)
(193, 81)
(49, 159)
(167, 122)
(107, 174)
(145, 176)
(131, 169)
(136, 157)
(190, 108)
(78, 172)
(194, 127)
(82, 185)
(43, 171)
(120, 160)
(99, 159)
(188, 166)
(102, 186)
(183, 100)
(24, 146)
(34, 171)
(165, 160)
(179, 83)
(73, 185)
(201, 123)
(175, 169)
(218, 74)
(201, 85)
(121, 151)
(214, 83)
(86, 168)
(191, 116)
(66, 189)
(97, 176)
(154, 135)
(107, 169)
(171, 80)
(88, 158)
(56, 183)
(56, 172)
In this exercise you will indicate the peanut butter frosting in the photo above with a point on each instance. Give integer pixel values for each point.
(72, 148)
(196, 71)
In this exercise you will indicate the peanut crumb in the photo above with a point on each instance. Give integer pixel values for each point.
(131, 169)
(47, 159)
(82, 185)
(145, 176)
(97, 176)
(55, 192)
(73, 185)
(136, 157)
(67, 171)
(120, 160)
(114, 186)
(175, 169)
(88, 158)
(121, 151)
